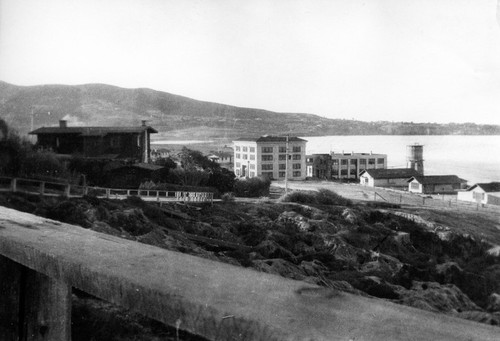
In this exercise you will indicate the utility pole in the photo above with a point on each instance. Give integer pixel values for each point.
(286, 166)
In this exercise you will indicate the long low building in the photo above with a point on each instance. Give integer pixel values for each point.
(482, 193)
(392, 177)
(430, 184)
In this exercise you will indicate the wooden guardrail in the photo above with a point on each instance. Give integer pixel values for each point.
(42, 259)
(53, 188)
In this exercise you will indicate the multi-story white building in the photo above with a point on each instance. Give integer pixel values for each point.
(350, 165)
(269, 156)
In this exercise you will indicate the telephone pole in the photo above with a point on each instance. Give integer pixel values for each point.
(286, 166)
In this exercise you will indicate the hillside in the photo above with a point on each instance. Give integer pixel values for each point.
(178, 117)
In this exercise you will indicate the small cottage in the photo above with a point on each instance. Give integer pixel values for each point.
(393, 177)
(441, 184)
(482, 193)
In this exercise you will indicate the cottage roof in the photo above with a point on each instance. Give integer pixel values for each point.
(437, 179)
(92, 131)
(490, 187)
(269, 138)
(391, 173)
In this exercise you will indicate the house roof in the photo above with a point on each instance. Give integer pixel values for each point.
(437, 179)
(92, 131)
(391, 173)
(269, 138)
(487, 187)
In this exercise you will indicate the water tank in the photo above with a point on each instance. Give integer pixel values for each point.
(415, 157)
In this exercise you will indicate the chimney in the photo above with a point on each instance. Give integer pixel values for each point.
(143, 123)
(63, 124)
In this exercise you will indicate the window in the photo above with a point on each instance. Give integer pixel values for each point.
(371, 161)
(414, 185)
(296, 149)
(296, 174)
(252, 174)
(282, 149)
(267, 166)
(281, 174)
(353, 171)
(252, 149)
(267, 149)
(343, 172)
(343, 162)
(309, 160)
(252, 166)
(237, 148)
(296, 166)
(245, 156)
(353, 161)
(237, 172)
(238, 164)
(362, 162)
(282, 166)
(478, 196)
(296, 157)
(380, 161)
(267, 158)
(252, 157)
(282, 157)
(335, 162)
(245, 149)
(267, 174)
(238, 156)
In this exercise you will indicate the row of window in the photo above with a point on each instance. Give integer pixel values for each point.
(245, 156)
(280, 166)
(295, 149)
(296, 174)
(266, 157)
(244, 149)
(344, 162)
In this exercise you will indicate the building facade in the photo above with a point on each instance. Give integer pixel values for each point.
(99, 142)
(433, 184)
(275, 157)
(337, 166)
(393, 177)
(482, 193)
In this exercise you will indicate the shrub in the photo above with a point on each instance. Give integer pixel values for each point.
(299, 197)
(252, 188)
(326, 197)
(227, 197)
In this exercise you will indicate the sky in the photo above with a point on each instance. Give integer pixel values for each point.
(391, 60)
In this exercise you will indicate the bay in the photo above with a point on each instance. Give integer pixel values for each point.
(474, 158)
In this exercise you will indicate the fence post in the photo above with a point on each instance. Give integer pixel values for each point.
(374, 196)
(423, 201)
(85, 190)
(13, 185)
(108, 193)
(67, 189)
(42, 188)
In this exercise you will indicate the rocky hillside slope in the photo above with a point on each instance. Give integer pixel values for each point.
(350, 247)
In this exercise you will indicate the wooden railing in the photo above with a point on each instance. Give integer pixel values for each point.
(53, 188)
(41, 260)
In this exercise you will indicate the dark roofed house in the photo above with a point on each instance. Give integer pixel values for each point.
(429, 184)
(383, 177)
(131, 143)
(482, 193)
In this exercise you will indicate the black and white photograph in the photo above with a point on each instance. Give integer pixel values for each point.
(218, 170)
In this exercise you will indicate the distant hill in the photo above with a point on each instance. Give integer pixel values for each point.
(178, 117)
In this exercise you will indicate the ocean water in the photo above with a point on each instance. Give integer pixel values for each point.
(474, 158)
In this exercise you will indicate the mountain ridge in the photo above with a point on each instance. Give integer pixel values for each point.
(180, 117)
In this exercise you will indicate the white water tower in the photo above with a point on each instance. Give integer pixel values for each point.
(415, 157)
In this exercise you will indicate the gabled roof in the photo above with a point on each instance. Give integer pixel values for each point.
(391, 173)
(437, 179)
(487, 187)
(92, 131)
(269, 138)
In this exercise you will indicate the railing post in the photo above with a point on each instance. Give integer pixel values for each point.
(108, 193)
(42, 188)
(85, 190)
(13, 185)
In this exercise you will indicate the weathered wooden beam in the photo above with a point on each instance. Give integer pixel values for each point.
(212, 299)
(33, 307)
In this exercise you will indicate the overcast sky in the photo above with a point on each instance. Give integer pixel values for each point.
(395, 60)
